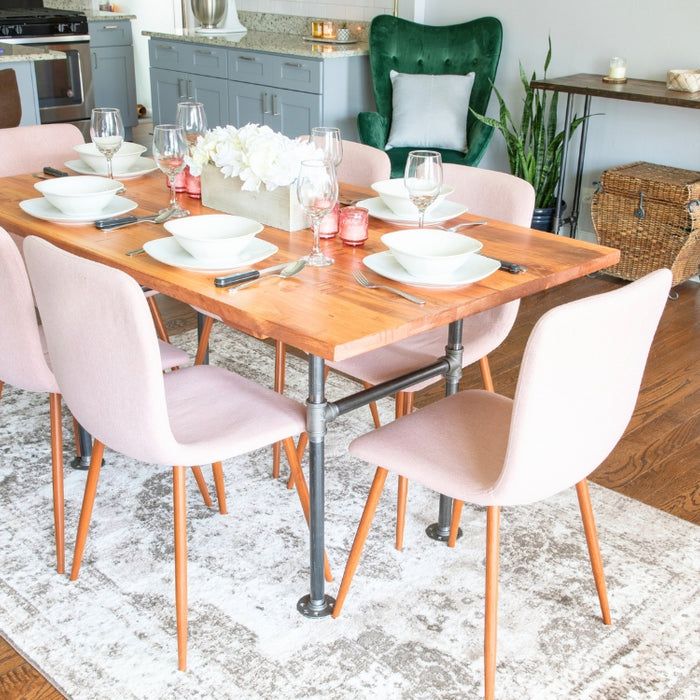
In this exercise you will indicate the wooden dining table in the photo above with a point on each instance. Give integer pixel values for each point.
(323, 311)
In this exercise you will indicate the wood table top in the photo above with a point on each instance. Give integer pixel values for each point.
(322, 311)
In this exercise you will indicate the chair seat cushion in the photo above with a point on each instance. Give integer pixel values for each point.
(430, 111)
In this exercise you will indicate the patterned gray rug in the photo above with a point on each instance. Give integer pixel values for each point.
(412, 624)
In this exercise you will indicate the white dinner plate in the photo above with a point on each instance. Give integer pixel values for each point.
(442, 212)
(141, 167)
(169, 251)
(42, 209)
(476, 268)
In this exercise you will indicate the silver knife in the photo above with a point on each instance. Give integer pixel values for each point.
(237, 277)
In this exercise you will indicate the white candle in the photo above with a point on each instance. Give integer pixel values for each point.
(618, 68)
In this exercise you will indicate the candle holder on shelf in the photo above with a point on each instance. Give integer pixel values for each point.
(618, 71)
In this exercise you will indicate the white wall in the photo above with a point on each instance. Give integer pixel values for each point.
(651, 35)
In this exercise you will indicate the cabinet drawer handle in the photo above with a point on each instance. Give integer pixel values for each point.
(94, 53)
(180, 91)
(110, 26)
(246, 58)
(265, 110)
(201, 52)
(166, 47)
(189, 89)
(275, 113)
(294, 65)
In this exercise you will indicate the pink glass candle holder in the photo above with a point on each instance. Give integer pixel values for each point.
(329, 223)
(194, 185)
(180, 180)
(354, 225)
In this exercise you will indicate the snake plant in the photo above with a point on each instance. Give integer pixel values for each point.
(535, 147)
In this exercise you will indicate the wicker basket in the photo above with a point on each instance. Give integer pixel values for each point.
(652, 214)
(684, 80)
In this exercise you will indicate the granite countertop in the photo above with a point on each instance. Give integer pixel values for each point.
(106, 16)
(270, 42)
(12, 53)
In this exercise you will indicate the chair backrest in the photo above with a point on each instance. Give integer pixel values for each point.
(362, 165)
(491, 193)
(103, 349)
(10, 102)
(409, 47)
(578, 386)
(23, 361)
(27, 149)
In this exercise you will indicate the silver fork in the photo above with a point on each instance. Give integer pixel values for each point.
(361, 279)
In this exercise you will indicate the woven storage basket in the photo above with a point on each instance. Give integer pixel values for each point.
(651, 213)
(684, 80)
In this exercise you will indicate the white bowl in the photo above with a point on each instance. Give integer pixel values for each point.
(213, 238)
(395, 195)
(122, 161)
(79, 194)
(430, 253)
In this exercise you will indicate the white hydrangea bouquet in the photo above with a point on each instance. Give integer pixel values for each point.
(256, 154)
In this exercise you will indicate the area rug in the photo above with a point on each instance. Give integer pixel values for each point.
(412, 623)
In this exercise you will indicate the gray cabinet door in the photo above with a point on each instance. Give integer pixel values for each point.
(290, 112)
(114, 81)
(170, 87)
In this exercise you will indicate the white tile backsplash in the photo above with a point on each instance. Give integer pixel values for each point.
(363, 10)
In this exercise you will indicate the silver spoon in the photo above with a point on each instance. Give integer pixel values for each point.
(292, 269)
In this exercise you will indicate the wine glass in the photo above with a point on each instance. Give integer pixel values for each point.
(107, 133)
(423, 179)
(317, 191)
(169, 150)
(193, 120)
(327, 138)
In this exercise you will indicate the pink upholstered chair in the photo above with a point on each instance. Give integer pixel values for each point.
(578, 385)
(491, 194)
(27, 149)
(25, 365)
(200, 414)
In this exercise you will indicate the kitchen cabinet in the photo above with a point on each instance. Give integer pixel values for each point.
(182, 71)
(290, 89)
(113, 75)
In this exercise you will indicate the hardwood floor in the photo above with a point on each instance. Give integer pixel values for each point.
(656, 461)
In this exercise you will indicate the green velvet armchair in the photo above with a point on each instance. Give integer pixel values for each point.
(407, 47)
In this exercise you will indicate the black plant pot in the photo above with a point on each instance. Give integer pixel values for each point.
(542, 219)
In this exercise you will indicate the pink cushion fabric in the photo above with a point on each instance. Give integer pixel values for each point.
(576, 392)
(27, 149)
(106, 359)
(363, 165)
(23, 361)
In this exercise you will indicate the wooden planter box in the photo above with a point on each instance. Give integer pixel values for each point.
(279, 208)
(651, 213)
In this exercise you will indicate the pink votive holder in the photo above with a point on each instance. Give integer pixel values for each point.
(329, 223)
(354, 225)
(180, 180)
(194, 185)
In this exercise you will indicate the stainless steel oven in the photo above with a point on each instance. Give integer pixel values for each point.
(64, 86)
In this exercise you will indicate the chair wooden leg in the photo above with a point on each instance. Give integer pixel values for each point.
(404, 406)
(584, 501)
(373, 408)
(157, 318)
(57, 477)
(302, 489)
(493, 514)
(454, 525)
(180, 526)
(199, 478)
(204, 334)
(360, 537)
(88, 502)
(218, 471)
(486, 373)
(280, 366)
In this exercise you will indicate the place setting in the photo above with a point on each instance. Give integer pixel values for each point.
(426, 257)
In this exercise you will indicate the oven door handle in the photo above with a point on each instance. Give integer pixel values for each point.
(68, 39)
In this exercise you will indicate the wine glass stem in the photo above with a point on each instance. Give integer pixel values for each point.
(109, 168)
(316, 221)
(421, 216)
(173, 198)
